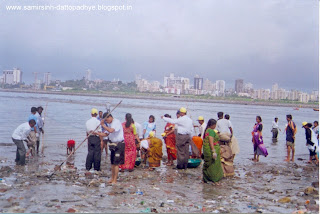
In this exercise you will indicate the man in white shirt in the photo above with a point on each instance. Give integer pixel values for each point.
(183, 137)
(94, 142)
(224, 128)
(19, 135)
(116, 145)
(274, 130)
(202, 126)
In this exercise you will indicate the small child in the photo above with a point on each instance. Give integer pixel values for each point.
(31, 143)
(311, 142)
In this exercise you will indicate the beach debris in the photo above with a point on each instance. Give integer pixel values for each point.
(154, 210)
(3, 190)
(147, 210)
(315, 184)
(49, 204)
(57, 168)
(70, 201)
(310, 191)
(139, 193)
(71, 210)
(88, 175)
(272, 191)
(284, 200)
(300, 211)
(94, 183)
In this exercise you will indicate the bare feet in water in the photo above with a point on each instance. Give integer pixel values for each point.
(254, 160)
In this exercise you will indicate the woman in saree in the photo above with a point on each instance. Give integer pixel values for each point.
(170, 141)
(130, 134)
(258, 146)
(154, 151)
(212, 169)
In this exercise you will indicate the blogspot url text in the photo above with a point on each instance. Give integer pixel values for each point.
(109, 8)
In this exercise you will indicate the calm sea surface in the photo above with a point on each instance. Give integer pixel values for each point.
(66, 116)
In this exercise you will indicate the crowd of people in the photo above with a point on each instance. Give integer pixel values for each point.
(130, 142)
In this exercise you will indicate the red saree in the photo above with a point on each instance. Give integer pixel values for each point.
(130, 148)
(170, 142)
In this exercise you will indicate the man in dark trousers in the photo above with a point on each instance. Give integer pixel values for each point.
(183, 137)
(94, 142)
(19, 135)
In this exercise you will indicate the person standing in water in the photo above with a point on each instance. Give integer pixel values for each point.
(257, 140)
(275, 128)
(291, 131)
(312, 141)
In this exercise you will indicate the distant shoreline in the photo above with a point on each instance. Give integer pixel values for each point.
(155, 97)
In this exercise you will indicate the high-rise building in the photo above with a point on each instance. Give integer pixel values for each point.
(220, 86)
(12, 76)
(275, 87)
(173, 82)
(208, 85)
(248, 87)
(88, 75)
(239, 86)
(198, 83)
(47, 78)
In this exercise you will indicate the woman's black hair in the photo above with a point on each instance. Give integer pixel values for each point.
(210, 123)
(129, 120)
(259, 118)
(151, 116)
(167, 115)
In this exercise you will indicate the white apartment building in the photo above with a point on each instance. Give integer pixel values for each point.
(12, 76)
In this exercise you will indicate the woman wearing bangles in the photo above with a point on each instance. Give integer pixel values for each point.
(212, 169)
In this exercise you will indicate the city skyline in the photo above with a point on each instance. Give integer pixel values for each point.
(259, 41)
(88, 75)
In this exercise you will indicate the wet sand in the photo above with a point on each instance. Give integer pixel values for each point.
(256, 187)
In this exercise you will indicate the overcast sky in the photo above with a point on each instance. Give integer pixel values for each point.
(260, 41)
